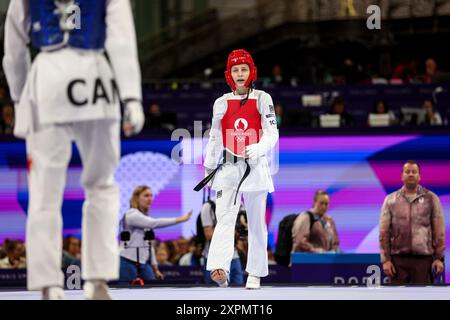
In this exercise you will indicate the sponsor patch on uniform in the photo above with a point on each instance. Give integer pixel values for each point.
(270, 115)
(219, 194)
(271, 109)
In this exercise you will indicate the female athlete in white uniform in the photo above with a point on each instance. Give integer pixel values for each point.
(243, 130)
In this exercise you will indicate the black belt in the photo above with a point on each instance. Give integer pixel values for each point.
(227, 157)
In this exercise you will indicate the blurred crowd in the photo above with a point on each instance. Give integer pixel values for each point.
(178, 252)
(350, 73)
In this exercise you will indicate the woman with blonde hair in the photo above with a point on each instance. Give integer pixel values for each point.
(137, 222)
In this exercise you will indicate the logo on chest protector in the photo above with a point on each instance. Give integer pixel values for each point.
(81, 94)
(240, 125)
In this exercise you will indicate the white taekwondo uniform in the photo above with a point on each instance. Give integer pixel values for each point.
(68, 94)
(254, 188)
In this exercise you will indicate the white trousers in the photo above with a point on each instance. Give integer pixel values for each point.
(222, 243)
(49, 152)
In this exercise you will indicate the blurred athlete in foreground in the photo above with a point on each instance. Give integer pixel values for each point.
(86, 66)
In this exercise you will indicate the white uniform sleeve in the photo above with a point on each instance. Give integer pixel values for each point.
(17, 61)
(214, 147)
(139, 220)
(268, 124)
(122, 49)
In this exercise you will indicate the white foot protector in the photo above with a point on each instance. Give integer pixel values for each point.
(96, 290)
(253, 282)
(53, 293)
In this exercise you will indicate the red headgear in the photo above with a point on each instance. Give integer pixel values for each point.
(240, 57)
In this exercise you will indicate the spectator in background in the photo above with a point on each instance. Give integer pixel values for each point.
(184, 245)
(15, 255)
(314, 231)
(155, 119)
(7, 120)
(173, 250)
(71, 251)
(279, 114)
(406, 70)
(276, 75)
(381, 107)
(412, 231)
(162, 255)
(194, 256)
(338, 107)
(432, 118)
(433, 74)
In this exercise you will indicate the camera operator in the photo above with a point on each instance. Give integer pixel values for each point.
(138, 223)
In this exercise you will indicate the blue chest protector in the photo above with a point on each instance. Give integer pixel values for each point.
(46, 30)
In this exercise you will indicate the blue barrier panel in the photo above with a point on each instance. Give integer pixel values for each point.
(336, 269)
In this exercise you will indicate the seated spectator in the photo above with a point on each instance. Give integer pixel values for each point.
(381, 107)
(71, 251)
(433, 74)
(314, 231)
(432, 118)
(279, 114)
(406, 70)
(162, 256)
(184, 245)
(155, 119)
(276, 76)
(195, 256)
(15, 255)
(7, 120)
(338, 107)
(173, 251)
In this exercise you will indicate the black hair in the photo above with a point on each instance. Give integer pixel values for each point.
(386, 106)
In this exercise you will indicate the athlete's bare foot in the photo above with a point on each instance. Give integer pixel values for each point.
(219, 276)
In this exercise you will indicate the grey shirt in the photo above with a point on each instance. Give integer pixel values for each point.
(208, 220)
(137, 223)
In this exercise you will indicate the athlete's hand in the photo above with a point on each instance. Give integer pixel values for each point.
(133, 118)
(254, 151)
